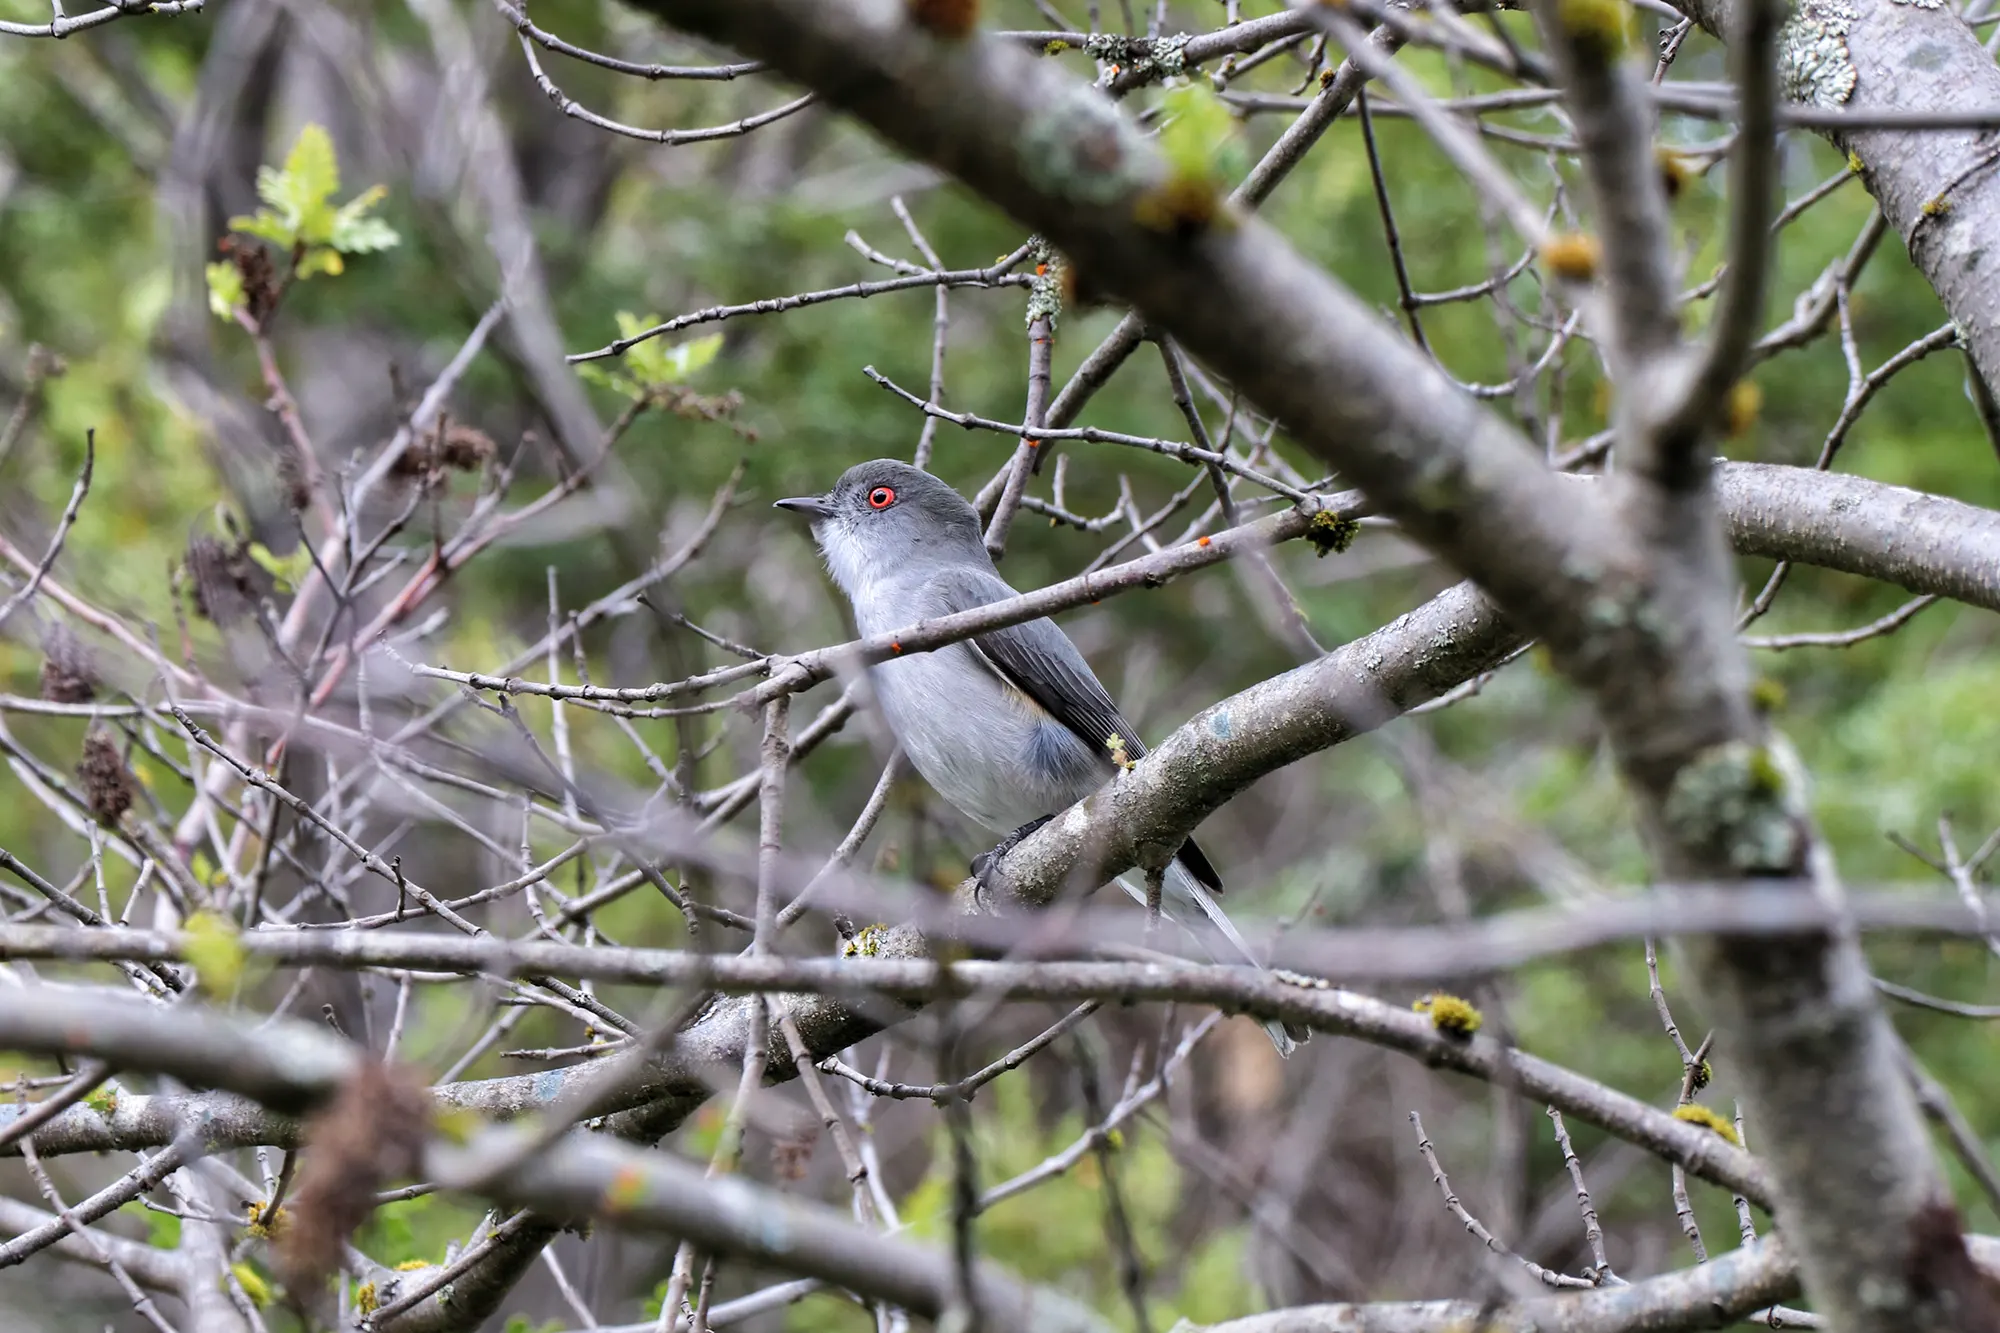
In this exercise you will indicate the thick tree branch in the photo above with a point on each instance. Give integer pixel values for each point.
(1923, 542)
(1477, 947)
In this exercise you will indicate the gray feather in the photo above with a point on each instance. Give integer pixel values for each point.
(1188, 905)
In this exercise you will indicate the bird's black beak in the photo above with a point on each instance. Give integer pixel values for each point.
(812, 506)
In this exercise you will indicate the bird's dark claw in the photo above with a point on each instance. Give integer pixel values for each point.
(985, 863)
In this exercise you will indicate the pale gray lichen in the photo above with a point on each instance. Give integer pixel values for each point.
(1921, 4)
(1137, 60)
(1740, 803)
(1045, 293)
(1078, 147)
(1813, 59)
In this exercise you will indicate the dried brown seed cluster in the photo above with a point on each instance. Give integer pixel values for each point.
(224, 578)
(373, 1132)
(453, 447)
(69, 676)
(107, 786)
(261, 287)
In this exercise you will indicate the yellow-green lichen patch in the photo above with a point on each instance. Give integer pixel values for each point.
(866, 942)
(1450, 1014)
(263, 1221)
(1331, 533)
(1712, 1121)
(1574, 255)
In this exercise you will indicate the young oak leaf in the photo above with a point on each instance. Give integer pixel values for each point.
(299, 211)
(225, 289)
(652, 363)
(217, 954)
(1198, 136)
(1199, 140)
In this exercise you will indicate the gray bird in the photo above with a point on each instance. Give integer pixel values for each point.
(1010, 726)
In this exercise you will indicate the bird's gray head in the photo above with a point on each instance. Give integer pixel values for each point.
(884, 518)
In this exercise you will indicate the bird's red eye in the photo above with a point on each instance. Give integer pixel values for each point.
(881, 498)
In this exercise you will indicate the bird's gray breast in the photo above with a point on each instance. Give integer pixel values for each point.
(981, 743)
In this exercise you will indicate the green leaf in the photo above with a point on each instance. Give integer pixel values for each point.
(593, 373)
(1199, 137)
(288, 570)
(266, 225)
(299, 208)
(297, 195)
(280, 221)
(653, 362)
(216, 952)
(313, 175)
(225, 289)
(163, 1230)
(684, 359)
(321, 259)
(253, 1284)
(354, 232)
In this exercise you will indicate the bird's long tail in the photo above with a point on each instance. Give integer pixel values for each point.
(1185, 902)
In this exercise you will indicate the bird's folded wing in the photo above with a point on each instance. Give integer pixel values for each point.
(1039, 660)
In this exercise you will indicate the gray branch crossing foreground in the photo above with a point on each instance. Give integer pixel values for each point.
(1476, 948)
(1630, 587)
(674, 1084)
(297, 1065)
